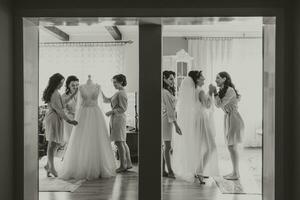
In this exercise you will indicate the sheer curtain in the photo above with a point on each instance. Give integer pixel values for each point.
(208, 53)
(101, 61)
(242, 59)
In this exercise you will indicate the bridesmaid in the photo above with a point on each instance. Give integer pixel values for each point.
(227, 99)
(69, 101)
(168, 119)
(118, 121)
(54, 119)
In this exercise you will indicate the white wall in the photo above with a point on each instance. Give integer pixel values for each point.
(131, 67)
(171, 45)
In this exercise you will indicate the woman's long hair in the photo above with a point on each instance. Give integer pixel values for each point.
(53, 83)
(227, 83)
(68, 81)
(195, 75)
(166, 75)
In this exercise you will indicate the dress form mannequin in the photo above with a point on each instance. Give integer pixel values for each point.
(89, 81)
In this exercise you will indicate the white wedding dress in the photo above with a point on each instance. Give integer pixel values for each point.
(89, 154)
(194, 152)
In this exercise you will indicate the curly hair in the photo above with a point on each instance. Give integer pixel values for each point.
(121, 78)
(68, 81)
(195, 75)
(166, 75)
(53, 83)
(227, 83)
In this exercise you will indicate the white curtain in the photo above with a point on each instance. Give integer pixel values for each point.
(100, 60)
(208, 53)
(242, 59)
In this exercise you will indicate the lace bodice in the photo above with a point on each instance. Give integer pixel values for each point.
(89, 94)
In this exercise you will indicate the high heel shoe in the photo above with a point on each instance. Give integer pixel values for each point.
(47, 170)
(54, 173)
(200, 178)
(232, 178)
(121, 170)
(165, 174)
(171, 175)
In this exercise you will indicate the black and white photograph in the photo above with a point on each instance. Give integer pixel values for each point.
(88, 109)
(149, 100)
(212, 101)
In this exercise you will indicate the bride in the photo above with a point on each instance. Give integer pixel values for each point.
(89, 154)
(194, 152)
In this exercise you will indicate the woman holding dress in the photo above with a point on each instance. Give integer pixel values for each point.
(54, 119)
(168, 120)
(227, 99)
(117, 116)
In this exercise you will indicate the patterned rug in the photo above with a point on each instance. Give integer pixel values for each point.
(51, 184)
(57, 185)
(238, 186)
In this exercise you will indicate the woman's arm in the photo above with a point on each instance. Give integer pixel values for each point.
(121, 107)
(122, 104)
(57, 105)
(171, 112)
(66, 98)
(177, 128)
(170, 107)
(105, 99)
(220, 103)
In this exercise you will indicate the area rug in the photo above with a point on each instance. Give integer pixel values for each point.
(51, 184)
(238, 186)
(58, 185)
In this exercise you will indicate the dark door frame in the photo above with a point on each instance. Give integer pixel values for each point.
(151, 16)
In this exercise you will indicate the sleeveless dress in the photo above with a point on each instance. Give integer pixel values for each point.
(89, 154)
(206, 156)
(194, 152)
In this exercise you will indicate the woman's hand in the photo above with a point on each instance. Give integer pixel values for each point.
(178, 130)
(73, 122)
(76, 90)
(212, 89)
(109, 113)
(105, 99)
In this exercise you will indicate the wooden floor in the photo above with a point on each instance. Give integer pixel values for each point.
(125, 187)
(182, 190)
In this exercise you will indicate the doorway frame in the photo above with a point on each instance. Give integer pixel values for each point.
(152, 16)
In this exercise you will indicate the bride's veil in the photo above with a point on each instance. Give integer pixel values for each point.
(183, 151)
(78, 103)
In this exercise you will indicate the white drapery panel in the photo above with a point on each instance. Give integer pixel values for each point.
(209, 53)
(242, 59)
(101, 61)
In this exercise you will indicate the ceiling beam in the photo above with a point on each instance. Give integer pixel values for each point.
(56, 32)
(114, 32)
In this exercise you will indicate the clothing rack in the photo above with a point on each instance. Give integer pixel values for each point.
(106, 43)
